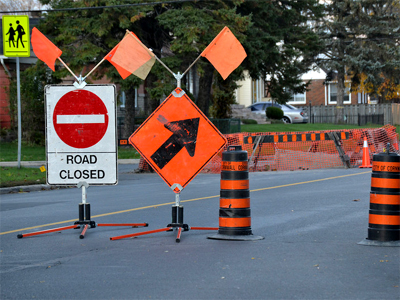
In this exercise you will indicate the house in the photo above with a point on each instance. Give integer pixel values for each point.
(320, 92)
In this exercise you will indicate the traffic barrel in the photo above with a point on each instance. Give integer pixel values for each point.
(384, 212)
(234, 212)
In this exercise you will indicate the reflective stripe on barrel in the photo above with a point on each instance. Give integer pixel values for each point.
(384, 212)
(235, 222)
(384, 219)
(234, 184)
(388, 183)
(234, 212)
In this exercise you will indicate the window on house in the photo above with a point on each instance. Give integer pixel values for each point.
(299, 98)
(190, 81)
(122, 99)
(257, 88)
(373, 99)
(333, 90)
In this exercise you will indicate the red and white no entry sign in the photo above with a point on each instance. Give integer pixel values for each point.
(81, 134)
(80, 119)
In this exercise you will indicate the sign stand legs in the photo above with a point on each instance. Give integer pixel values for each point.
(177, 220)
(84, 219)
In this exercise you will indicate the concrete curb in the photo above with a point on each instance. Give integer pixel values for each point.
(32, 188)
(23, 163)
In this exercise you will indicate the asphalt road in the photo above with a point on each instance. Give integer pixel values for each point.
(311, 222)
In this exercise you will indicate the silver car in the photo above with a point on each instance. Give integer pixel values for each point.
(291, 114)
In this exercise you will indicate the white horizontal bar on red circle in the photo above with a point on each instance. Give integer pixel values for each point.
(80, 119)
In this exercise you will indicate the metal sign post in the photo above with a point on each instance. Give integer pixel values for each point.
(19, 114)
(16, 43)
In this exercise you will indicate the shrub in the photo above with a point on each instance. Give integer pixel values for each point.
(249, 121)
(274, 113)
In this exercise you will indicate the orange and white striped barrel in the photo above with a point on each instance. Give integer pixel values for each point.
(384, 212)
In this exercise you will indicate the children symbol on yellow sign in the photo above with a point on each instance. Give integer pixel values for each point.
(11, 32)
(21, 32)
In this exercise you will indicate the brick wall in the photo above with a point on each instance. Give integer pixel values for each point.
(5, 120)
(316, 93)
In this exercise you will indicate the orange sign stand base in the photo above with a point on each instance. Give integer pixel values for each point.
(177, 221)
(84, 221)
(178, 225)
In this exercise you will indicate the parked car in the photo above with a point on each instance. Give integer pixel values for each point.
(291, 114)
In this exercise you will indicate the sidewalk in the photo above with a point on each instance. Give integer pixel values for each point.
(42, 187)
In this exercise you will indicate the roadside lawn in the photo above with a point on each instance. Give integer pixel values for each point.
(31, 152)
(12, 176)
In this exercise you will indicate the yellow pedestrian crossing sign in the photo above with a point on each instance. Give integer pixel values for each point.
(16, 40)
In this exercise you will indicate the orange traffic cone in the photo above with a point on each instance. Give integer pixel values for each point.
(366, 162)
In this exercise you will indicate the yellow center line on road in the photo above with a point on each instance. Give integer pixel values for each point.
(171, 203)
(311, 181)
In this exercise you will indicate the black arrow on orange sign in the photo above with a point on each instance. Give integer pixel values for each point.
(184, 134)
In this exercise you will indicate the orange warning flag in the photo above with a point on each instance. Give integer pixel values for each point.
(225, 52)
(124, 73)
(133, 56)
(44, 49)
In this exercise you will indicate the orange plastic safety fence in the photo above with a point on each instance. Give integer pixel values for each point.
(288, 151)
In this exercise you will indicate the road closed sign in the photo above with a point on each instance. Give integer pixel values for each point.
(81, 134)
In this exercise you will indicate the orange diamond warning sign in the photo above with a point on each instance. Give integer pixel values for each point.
(177, 140)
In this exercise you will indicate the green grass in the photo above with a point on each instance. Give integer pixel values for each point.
(9, 152)
(12, 176)
(127, 152)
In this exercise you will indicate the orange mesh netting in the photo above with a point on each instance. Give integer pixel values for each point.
(288, 151)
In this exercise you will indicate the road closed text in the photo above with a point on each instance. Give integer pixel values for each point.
(73, 168)
(83, 173)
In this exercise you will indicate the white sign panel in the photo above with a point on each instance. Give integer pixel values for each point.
(81, 134)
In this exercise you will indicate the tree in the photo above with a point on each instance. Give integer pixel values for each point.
(375, 47)
(86, 36)
(275, 34)
(281, 43)
(33, 81)
(362, 43)
(185, 29)
(334, 31)
(192, 26)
